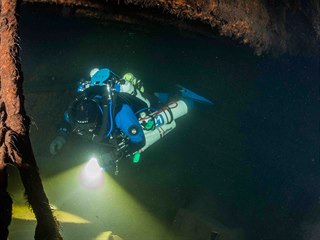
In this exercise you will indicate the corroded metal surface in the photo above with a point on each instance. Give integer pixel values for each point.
(15, 145)
(277, 26)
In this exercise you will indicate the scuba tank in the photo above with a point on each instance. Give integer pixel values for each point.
(159, 123)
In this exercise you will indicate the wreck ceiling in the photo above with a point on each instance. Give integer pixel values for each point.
(267, 26)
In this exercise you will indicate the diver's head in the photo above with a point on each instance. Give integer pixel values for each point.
(86, 117)
(130, 78)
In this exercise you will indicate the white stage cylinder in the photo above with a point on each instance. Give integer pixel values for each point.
(157, 134)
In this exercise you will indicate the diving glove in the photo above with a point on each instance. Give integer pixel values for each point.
(57, 144)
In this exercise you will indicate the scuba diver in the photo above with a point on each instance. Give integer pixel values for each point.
(114, 114)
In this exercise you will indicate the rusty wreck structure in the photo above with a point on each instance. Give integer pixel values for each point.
(267, 26)
(15, 145)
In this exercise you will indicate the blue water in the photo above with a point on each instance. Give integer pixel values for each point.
(251, 161)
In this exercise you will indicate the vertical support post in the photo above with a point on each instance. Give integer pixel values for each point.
(14, 135)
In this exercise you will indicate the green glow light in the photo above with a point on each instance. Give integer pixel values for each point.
(136, 157)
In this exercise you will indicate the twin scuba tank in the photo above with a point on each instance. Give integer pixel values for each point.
(159, 123)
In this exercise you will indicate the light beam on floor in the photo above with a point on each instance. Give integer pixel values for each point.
(107, 206)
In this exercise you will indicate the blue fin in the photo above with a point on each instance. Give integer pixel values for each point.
(186, 93)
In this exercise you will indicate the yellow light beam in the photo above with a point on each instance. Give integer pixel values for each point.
(107, 235)
(24, 212)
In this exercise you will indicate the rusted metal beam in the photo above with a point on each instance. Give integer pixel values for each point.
(15, 143)
(75, 3)
(266, 26)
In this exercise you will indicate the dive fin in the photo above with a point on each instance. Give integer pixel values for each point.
(186, 93)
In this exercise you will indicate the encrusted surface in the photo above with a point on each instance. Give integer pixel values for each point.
(276, 26)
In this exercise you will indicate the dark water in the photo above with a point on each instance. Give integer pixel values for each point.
(251, 162)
